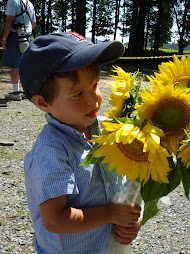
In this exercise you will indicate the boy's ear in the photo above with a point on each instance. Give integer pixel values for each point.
(39, 101)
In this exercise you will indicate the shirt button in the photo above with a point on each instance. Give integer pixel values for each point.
(108, 184)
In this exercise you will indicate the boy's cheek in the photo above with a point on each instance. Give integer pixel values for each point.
(100, 98)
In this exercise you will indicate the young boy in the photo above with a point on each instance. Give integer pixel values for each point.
(70, 205)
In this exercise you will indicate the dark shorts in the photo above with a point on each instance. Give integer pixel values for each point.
(11, 56)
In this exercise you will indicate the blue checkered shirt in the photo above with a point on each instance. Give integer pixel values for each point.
(52, 168)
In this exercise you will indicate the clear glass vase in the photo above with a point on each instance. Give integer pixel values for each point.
(129, 195)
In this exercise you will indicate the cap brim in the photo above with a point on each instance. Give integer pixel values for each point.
(105, 52)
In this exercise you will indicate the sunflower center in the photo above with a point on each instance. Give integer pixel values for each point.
(133, 151)
(182, 81)
(171, 115)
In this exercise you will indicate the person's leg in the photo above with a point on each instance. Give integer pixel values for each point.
(14, 75)
(10, 58)
(15, 79)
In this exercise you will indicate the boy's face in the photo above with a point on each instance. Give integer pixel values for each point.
(77, 102)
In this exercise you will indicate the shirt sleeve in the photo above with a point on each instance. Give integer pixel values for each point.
(11, 8)
(51, 174)
(33, 18)
(31, 12)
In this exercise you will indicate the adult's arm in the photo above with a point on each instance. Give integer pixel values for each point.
(7, 30)
(33, 25)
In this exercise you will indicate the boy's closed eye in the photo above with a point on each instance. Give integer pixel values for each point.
(78, 94)
(95, 86)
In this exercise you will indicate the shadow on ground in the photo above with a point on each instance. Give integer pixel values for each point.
(130, 66)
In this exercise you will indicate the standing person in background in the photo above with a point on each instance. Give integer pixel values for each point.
(19, 13)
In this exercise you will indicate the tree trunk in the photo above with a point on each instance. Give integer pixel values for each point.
(182, 33)
(133, 28)
(80, 26)
(117, 7)
(73, 16)
(158, 24)
(43, 17)
(139, 41)
(123, 23)
(94, 21)
(48, 18)
(64, 15)
(147, 27)
(180, 44)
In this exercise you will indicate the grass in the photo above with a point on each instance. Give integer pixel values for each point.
(167, 51)
(10, 154)
(174, 51)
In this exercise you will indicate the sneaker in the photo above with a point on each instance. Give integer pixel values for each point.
(15, 96)
(24, 96)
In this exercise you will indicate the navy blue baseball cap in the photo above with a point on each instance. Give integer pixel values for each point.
(58, 52)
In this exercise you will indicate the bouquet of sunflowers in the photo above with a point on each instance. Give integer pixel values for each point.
(147, 134)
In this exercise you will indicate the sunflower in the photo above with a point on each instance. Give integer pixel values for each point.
(168, 108)
(177, 72)
(184, 151)
(133, 151)
(121, 91)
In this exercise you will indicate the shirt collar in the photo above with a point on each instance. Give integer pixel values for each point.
(66, 129)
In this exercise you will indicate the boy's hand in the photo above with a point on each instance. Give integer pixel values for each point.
(125, 235)
(124, 215)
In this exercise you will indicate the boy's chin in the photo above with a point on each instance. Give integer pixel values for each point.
(91, 120)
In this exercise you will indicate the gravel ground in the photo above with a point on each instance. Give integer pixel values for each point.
(20, 123)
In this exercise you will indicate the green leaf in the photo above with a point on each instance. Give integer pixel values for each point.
(154, 190)
(90, 159)
(150, 210)
(185, 176)
(187, 133)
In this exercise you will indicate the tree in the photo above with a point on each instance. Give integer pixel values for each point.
(2, 13)
(80, 26)
(126, 18)
(158, 25)
(139, 42)
(49, 18)
(43, 27)
(64, 14)
(163, 25)
(94, 21)
(133, 27)
(117, 8)
(147, 26)
(182, 15)
(61, 11)
(104, 19)
(136, 39)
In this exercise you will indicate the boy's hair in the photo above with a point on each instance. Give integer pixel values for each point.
(49, 90)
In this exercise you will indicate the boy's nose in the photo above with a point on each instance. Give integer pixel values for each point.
(92, 98)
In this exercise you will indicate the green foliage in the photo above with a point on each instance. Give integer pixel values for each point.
(177, 175)
(166, 22)
(62, 17)
(159, 190)
(90, 159)
(185, 177)
(135, 98)
(150, 210)
(104, 18)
